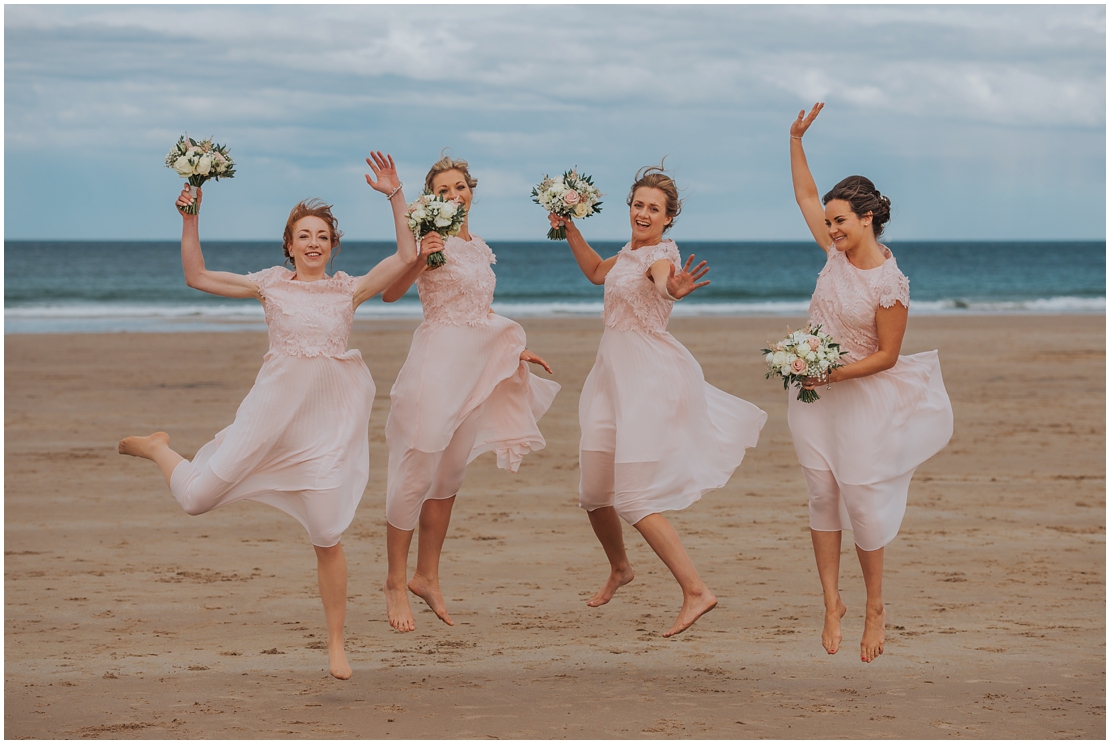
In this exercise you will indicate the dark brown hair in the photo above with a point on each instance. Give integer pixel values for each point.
(654, 177)
(311, 208)
(863, 197)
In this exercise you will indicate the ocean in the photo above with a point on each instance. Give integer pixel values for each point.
(132, 286)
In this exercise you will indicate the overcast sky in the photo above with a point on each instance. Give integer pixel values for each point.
(980, 122)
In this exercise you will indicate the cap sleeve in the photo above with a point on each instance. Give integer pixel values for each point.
(894, 287)
(266, 277)
(345, 282)
(669, 251)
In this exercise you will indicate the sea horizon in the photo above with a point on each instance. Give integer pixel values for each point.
(748, 278)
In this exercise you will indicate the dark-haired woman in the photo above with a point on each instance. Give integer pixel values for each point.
(299, 439)
(465, 389)
(655, 434)
(880, 415)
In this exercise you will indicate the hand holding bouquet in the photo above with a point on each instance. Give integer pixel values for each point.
(198, 162)
(805, 353)
(428, 214)
(569, 195)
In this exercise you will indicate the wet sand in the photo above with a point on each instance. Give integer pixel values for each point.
(126, 618)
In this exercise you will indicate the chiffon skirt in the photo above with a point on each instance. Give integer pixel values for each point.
(462, 391)
(655, 434)
(298, 443)
(861, 442)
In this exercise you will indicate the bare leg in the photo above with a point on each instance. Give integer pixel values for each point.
(435, 517)
(156, 447)
(331, 570)
(607, 527)
(874, 625)
(397, 608)
(696, 597)
(826, 549)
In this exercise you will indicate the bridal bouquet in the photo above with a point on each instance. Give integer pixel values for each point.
(198, 162)
(428, 214)
(569, 195)
(805, 353)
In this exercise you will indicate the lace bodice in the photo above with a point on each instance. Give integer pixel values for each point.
(461, 291)
(631, 301)
(846, 298)
(306, 319)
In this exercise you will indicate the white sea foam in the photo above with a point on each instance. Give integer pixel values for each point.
(153, 317)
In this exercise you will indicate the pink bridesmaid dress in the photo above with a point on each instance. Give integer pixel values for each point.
(463, 389)
(299, 439)
(655, 434)
(861, 442)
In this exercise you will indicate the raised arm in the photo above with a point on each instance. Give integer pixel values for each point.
(222, 283)
(392, 267)
(429, 244)
(805, 190)
(593, 266)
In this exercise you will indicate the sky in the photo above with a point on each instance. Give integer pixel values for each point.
(979, 122)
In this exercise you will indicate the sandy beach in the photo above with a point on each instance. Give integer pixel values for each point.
(126, 618)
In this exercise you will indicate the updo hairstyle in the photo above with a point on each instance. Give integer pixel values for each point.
(445, 164)
(863, 197)
(654, 177)
(311, 208)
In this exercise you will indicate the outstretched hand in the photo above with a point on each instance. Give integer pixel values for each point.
(527, 356)
(801, 124)
(686, 281)
(185, 198)
(384, 170)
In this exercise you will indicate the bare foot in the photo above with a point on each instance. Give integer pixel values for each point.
(144, 446)
(430, 593)
(616, 580)
(693, 607)
(337, 660)
(830, 634)
(397, 608)
(874, 635)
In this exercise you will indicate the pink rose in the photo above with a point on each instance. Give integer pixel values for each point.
(798, 366)
(814, 343)
(571, 197)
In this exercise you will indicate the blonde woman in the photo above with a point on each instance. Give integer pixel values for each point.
(464, 389)
(655, 434)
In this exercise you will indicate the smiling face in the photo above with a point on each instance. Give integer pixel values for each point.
(311, 244)
(648, 215)
(846, 229)
(451, 184)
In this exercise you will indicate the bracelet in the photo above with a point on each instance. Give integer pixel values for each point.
(793, 137)
(394, 192)
(670, 297)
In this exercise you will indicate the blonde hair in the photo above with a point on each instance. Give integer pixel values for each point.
(311, 208)
(446, 163)
(654, 177)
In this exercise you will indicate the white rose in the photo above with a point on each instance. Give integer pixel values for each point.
(809, 355)
(448, 209)
(183, 167)
(442, 221)
(824, 365)
(418, 215)
(581, 210)
(204, 165)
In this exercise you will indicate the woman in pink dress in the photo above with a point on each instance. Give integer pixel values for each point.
(880, 415)
(655, 434)
(464, 389)
(299, 439)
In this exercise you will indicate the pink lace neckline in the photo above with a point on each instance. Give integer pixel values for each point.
(887, 255)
